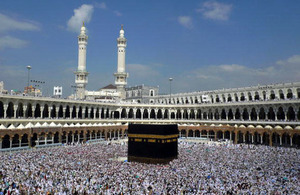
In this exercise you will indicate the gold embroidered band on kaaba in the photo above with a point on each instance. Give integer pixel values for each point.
(152, 136)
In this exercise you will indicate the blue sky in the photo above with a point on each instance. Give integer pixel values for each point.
(203, 45)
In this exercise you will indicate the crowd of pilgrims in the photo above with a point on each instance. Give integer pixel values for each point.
(208, 168)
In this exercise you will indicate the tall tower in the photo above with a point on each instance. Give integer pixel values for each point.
(121, 75)
(81, 75)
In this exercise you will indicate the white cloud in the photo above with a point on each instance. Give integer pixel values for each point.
(82, 14)
(7, 24)
(101, 5)
(11, 42)
(117, 13)
(215, 10)
(185, 21)
(234, 75)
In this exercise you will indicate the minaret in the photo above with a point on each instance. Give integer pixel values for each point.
(121, 75)
(81, 74)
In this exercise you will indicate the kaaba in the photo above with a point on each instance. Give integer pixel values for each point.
(152, 143)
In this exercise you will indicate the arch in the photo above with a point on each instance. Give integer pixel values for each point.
(229, 99)
(86, 112)
(67, 112)
(185, 114)
(230, 114)
(217, 115)
(236, 98)
(159, 114)
(138, 113)
(291, 114)
(271, 114)
(116, 114)
(242, 97)
(92, 113)
(20, 111)
(262, 114)
(272, 95)
(249, 96)
(166, 114)
(172, 115)
(253, 115)
(98, 114)
(264, 95)
(145, 114)
(53, 111)
(74, 115)
(256, 96)
(237, 114)
(223, 114)
(183, 133)
(190, 133)
(178, 114)
(280, 114)
(199, 114)
(217, 98)
(123, 113)
(15, 141)
(79, 112)
(6, 142)
(33, 139)
(37, 111)
(298, 92)
(10, 110)
(281, 95)
(245, 114)
(24, 140)
(130, 114)
(60, 112)
(289, 94)
(28, 112)
(152, 114)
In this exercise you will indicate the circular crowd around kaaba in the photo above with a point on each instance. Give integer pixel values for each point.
(201, 168)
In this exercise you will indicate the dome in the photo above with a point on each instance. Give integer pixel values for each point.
(250, 126)
(259, 127)
(297, 128)
(277, 127)
(242, 126)
(268, 127)
(288, 127)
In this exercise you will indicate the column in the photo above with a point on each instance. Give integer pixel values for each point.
(270, 140)
(193, 133)
(261, 138)
(230, 135)
(71, 112)
(67, 138)
(46, 139)
(5, 106)
(244, 138)
(52, 139)
(0, 143)
(252, 138)
(181, 111)
(200, 134)
(236, 137)
(64, 112)
(169, 114)
(280, 140)
(84, 136)
(109, 134)
(100, 113)
(90, 135)
(10, 142)
(15, 111)
(20, 142)
(38, 140)
(41, 111)
(78, 137)
(291, 140)
(72, 137)
(49, 112)
(223, 134)
(216, 136)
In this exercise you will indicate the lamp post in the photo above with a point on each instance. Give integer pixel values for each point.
(28, 68)
(170, 79)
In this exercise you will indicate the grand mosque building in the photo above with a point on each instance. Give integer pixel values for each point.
(265, 114)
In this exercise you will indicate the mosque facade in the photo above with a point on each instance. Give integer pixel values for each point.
(268, 114)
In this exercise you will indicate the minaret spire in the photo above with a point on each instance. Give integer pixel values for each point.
(121, 75)
(81, 74)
